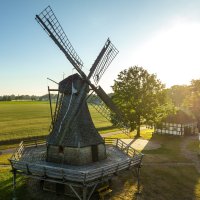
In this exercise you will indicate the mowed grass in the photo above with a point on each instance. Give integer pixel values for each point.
(23, 119)
(20, 120)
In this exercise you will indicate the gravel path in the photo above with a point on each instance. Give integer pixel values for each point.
(142, 144)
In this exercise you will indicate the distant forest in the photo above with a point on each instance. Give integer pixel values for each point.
(27, 97)
(91, 99)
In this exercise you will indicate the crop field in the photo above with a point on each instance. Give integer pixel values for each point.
(19, 120)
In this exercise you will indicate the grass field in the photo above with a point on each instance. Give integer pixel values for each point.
(32, 119)
(23, 119)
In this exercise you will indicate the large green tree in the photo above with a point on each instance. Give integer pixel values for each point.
(141, 96)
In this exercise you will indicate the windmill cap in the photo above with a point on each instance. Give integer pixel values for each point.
(65, 86)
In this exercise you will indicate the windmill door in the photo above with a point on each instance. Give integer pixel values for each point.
(95, 153)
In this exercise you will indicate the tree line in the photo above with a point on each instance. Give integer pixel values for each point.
(27, 97)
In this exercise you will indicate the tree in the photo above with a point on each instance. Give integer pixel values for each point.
(141, 96)
(192, 101)
(178, 93)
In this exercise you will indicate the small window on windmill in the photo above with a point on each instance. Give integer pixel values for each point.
(60, 149)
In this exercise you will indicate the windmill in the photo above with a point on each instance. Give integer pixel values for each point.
(74, 138)
(75, 160)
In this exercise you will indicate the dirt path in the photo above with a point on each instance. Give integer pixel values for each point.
(7, 151)
(190, 155)
(110, 134)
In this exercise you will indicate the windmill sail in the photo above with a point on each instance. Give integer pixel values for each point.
(105, 105)
(104, 59)
(51, 25)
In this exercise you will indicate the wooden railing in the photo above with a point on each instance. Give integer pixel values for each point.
(23, 144)
(122, 146)
(52, 172)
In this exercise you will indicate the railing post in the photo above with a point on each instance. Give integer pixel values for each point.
(138, 179)
(27, 169)
(130, 164)
(84, 193)
(14, 184)
(117, 142)
(85, 175)
(102, 173)
(117, 169)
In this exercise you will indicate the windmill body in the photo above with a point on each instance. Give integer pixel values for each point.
(74, 138)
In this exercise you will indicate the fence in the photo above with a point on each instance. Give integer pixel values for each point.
(45, 171)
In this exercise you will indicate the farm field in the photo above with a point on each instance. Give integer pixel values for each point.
(21, 120)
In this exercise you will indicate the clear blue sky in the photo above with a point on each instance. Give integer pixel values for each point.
(162, 36)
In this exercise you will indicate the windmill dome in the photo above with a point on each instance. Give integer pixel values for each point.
(65, 86)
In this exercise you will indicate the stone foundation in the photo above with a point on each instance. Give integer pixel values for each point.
(76, 156)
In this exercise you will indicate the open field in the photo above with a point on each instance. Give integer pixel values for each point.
(32, 119)
(23, 119)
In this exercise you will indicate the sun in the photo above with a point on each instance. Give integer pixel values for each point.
(173, 53)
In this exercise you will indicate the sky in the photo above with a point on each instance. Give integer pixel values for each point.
(161, 36)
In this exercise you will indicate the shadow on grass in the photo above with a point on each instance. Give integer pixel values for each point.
(6, 187)
(105, 128)
(15, 142)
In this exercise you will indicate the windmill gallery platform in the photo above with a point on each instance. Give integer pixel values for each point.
(75, 159)
(78, 181)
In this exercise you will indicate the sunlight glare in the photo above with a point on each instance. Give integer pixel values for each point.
(173, 53)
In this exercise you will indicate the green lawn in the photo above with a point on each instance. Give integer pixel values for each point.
(23, 119)
(32, 119)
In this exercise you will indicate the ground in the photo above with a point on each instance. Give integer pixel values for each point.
(170, 166)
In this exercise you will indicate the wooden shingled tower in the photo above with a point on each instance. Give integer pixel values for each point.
(74, 138)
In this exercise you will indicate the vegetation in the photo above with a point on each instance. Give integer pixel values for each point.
(177, 94)
(187, 97)
(28, 119)
(27, 97)
(192, 101)
(23, 119)
(4, 159)
(141, 96)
